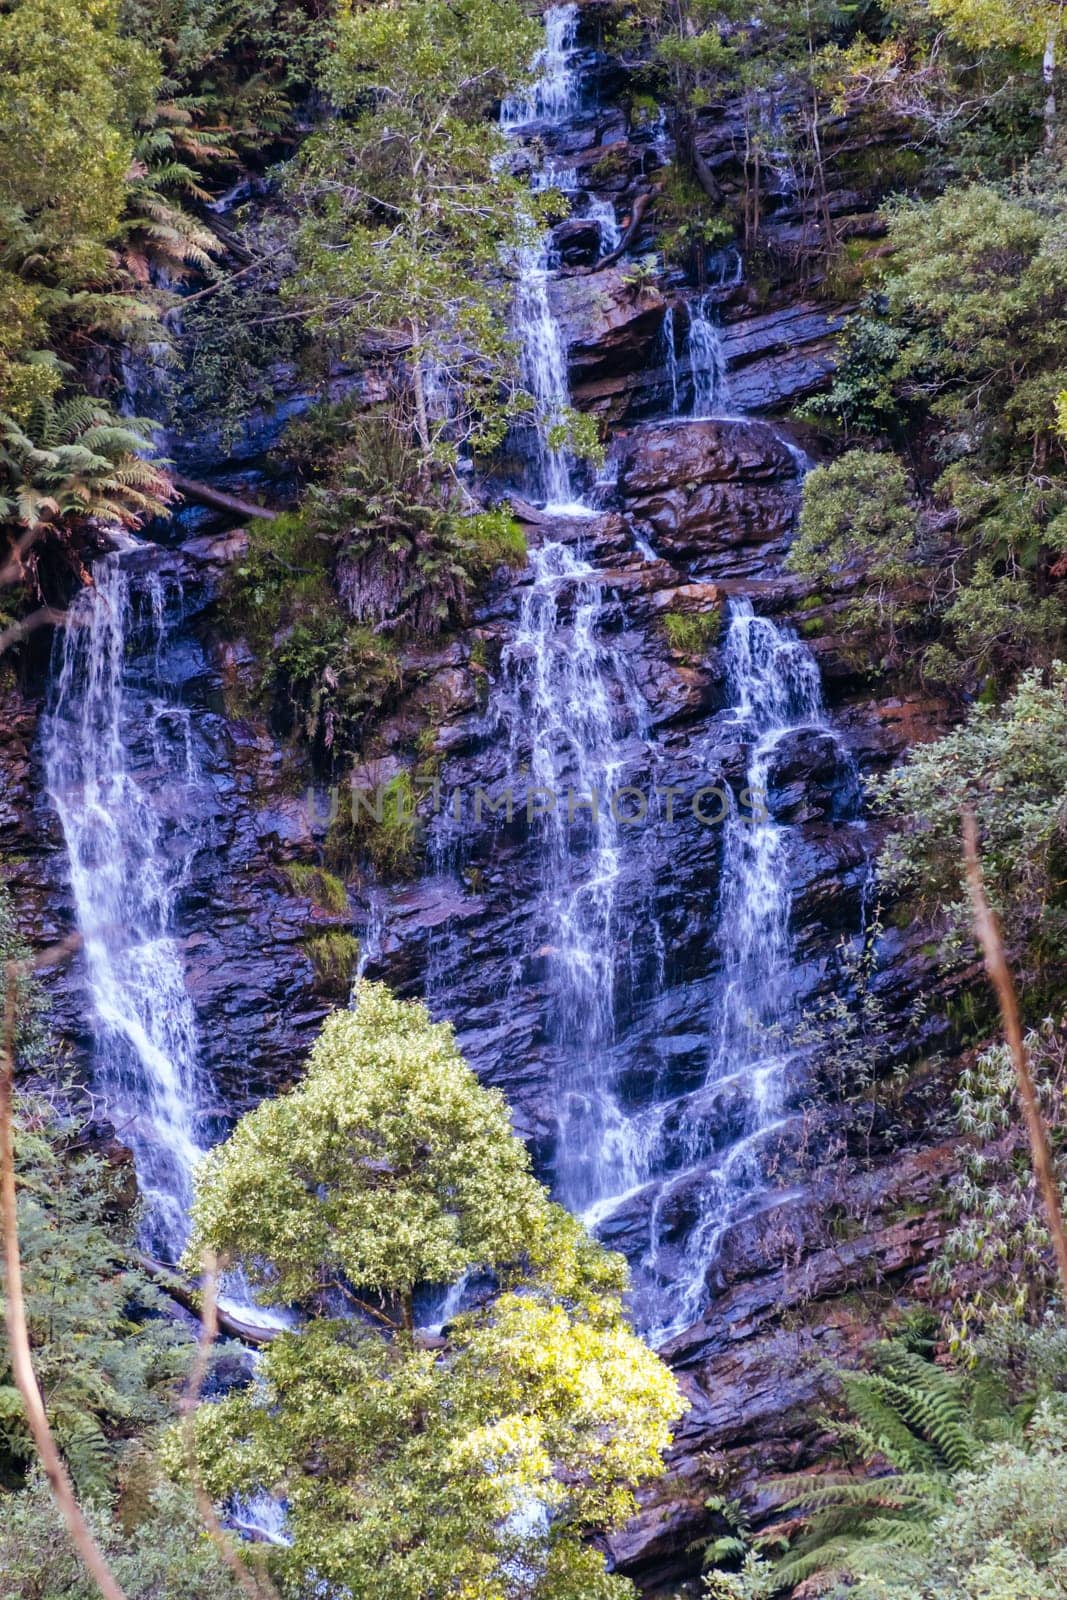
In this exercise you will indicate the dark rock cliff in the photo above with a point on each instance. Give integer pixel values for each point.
(807, 1276)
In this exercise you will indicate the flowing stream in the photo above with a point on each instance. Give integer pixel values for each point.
(707, 363)
(574, 721)
(543, 360)
(775, 691)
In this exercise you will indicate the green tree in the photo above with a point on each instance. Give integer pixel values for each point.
(1035, 27)
(71, 90)
(408, 204)
(1010, 764)
(859, 528)
(471, 1465)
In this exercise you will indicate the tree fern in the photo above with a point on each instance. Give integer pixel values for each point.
(918, 1428)
(158, 234)
(73, 460)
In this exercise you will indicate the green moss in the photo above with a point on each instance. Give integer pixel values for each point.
(323, 676)
(383, 828)
(333, 955)
(688, 221)
(322, 888)
(692, 633)
(491, 539)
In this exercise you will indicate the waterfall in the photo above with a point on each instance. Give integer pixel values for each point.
(554, 94)
(543, 358)
(602, 211)
(128, 857)
(543, 368)
(775, 691)
(671, 357)
(707, 364)
(572, 710)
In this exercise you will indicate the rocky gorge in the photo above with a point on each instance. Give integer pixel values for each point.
(650, 713)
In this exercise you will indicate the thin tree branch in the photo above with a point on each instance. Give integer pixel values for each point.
(43, 617)
(640, 206)
(13, 570)
(14, 1302)
(989, 936)
(221, 283)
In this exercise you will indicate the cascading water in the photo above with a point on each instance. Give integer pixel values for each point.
(544, 376)
(706, 362)
(543, 360)
(572, 733)
(775, 690)
(671, 357)
(602, 212)
(554, 94)
(128, 857)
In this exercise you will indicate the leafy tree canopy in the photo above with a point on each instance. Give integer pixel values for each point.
(408, 203)
(469, 1466)
(1010, 764)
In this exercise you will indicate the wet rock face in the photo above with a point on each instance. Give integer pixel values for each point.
(702, 511)
(719, 496)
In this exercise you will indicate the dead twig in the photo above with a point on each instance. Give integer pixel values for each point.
(43, 617)
(14, 1302)
(991, 940)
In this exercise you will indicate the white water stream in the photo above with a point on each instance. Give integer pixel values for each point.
(129, 850)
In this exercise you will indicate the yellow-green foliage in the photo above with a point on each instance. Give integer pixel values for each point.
(692, 633)
(322, 888)
(383, 828)
(71, 88)
(157, 1549)
(493, 539)
(333, 955)
(409, 1469)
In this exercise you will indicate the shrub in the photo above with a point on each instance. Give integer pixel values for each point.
(334, 955)
(859, 527)
(692, 633)
(159, 1552)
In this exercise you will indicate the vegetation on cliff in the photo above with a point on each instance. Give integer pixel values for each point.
(373, 258)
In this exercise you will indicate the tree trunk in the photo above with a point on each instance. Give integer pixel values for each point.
(641, 205)
(219, 500)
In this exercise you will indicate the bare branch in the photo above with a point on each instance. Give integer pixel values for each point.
(991, 940)
(13, 569)
(43, 617)
(14, 1302)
